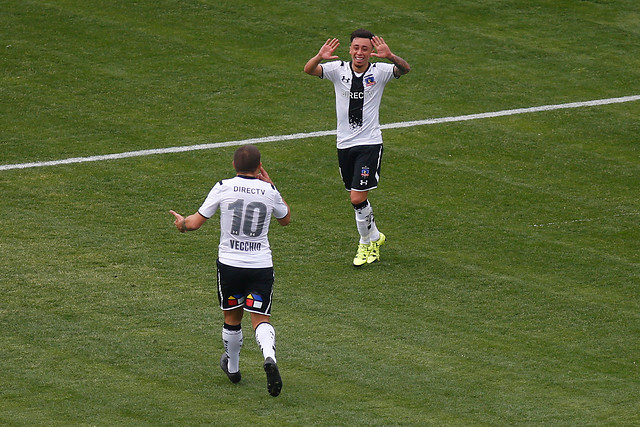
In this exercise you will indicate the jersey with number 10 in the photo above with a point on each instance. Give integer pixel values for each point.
(246, 205)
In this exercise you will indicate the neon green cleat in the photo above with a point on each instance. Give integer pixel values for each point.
(361, 255)
(374, 250)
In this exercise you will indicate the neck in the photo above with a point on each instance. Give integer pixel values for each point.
(360, 69)
(248, 174)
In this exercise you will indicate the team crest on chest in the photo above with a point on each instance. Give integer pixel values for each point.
(369, 80)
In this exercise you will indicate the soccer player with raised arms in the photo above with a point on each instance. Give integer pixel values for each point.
(245, 268)
(359, 85)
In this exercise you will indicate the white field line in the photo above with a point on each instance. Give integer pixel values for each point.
(277, 138)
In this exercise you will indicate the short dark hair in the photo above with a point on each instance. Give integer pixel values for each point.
(362, 33)
(246, 158)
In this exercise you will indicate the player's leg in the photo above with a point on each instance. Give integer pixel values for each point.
(265, 335)
(346, 161)
(366, 174)
(231, 300)
(258, 303)
(232, 339)
(266, 339)
(363, 213)
(365, 221)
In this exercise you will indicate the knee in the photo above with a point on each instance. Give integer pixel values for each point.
(358, 198)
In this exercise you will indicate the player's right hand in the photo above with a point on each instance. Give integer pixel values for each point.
(328, 48)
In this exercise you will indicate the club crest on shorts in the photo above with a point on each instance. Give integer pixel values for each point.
(234, 300)
(254, 300)
(364, 172)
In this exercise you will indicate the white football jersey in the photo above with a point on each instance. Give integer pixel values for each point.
(358, 101)
(246, 205)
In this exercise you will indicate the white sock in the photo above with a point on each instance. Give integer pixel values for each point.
(375, 234)
(366, 223)
(232, 339)
(266, 339)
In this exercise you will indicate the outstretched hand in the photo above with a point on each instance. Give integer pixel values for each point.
(328, 48)
(382, 49)
(326, 52)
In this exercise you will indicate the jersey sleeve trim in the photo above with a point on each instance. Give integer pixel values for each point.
(284, 216)
(204, 216)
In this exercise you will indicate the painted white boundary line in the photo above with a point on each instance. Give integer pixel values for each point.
(515, 111)
(319, 133)
(166, 150)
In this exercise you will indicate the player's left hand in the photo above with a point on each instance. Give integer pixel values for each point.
(264, 176)
(382, 50)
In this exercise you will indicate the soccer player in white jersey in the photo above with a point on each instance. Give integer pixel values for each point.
(358, 88)
(245, 269)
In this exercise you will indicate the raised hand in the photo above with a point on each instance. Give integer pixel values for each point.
(264, 176)
(325, 53)
(382, 49)
(328, 48)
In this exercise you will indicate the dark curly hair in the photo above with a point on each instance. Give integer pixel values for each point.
(362, 33)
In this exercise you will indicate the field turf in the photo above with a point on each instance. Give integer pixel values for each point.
(509, 287)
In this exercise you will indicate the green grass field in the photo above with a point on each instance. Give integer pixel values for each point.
(509, 288)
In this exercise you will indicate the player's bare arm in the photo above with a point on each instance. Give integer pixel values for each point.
(326, 52)
(383, 51)
(190, 223)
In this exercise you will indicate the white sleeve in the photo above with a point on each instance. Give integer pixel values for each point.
(387, 70)
(280, 209)
(331, 70)
(211, 203)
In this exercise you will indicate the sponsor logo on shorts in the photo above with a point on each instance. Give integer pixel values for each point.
(254, 300)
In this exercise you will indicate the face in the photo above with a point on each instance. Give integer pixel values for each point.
(360, 51)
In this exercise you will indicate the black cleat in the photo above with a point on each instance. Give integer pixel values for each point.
(274, 382)
(224, 365)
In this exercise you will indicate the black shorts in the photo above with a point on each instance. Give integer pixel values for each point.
(250, 288)
(360, 166)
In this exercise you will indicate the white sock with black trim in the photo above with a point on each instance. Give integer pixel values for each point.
(232, 339)
(366, 223)
(266, 339)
